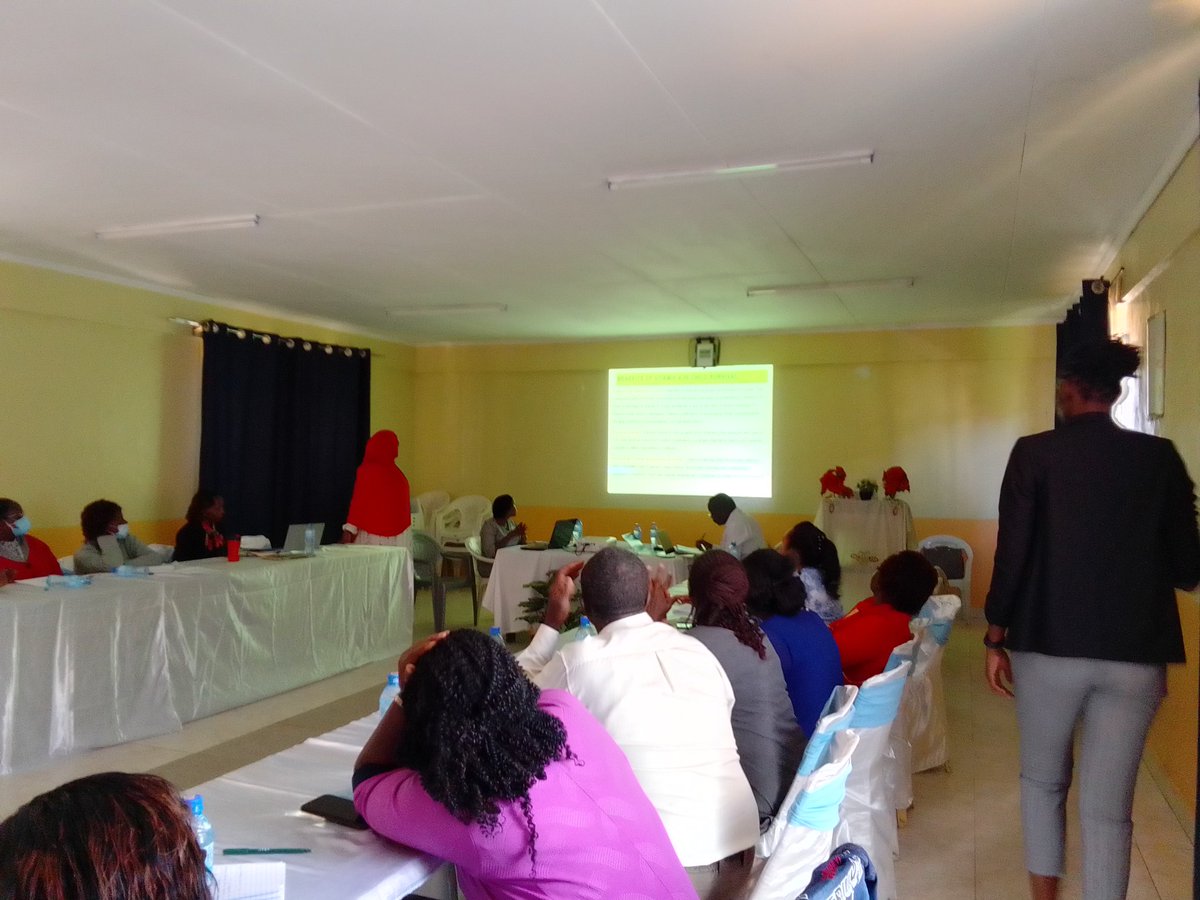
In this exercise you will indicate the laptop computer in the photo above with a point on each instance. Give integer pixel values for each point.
(293, 543)
(560, 537)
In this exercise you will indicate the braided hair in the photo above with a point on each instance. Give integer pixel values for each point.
(474, 733)
(718, 587)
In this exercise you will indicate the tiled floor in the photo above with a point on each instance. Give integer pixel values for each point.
(962, 839)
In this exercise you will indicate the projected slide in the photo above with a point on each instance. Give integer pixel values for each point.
(691, 432)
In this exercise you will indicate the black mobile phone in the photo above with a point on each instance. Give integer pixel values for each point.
(339, 810)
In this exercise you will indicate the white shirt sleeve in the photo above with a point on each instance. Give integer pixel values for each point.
(539, 652)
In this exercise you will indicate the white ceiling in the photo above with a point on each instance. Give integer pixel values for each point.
(406, 153)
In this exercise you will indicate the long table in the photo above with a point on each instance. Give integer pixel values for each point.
(129, 658)
(516, 567)
(259, 806)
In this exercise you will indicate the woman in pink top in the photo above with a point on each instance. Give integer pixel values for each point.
(522, 790)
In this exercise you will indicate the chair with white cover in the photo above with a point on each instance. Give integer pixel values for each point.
(868, 813)
(953, 556)
(925, 720)
(430, 502)
(460, 519)
(899, 745)
(800, 837)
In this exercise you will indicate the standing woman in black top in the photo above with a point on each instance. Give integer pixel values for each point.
(201, 537)
(1097, 530)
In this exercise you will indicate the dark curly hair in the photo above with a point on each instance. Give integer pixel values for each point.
(774, 588)
(474, 733)
(96, 517)
(1097, 367)
(815, 549)
(718, 587)
(904, 581)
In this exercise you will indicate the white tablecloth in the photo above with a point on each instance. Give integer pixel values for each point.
(127, 658)
(515, 567)
(867, 532)
(259, 806)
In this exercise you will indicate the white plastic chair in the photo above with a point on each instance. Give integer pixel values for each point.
(479, 584)
(461, 519)
(926, 721)
(430, 502)
(67, 564)
(868, 814)
(806, 839)
(953, 556)
(418, 517)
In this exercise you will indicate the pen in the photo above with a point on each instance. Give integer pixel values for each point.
(262, 851)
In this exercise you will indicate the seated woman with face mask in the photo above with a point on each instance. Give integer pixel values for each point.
(103, 517)
(21, 554)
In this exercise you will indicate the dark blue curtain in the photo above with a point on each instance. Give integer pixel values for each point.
(283, 425)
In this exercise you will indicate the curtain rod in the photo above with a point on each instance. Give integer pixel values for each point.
(209, 325)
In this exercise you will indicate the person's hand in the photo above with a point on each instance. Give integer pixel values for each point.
(562, 591)
(520, 529)
(408, 659)
(348, 537)
(7, 576)
(999, 672)
(658, 599)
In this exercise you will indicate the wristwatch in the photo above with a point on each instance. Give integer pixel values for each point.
(993, 645)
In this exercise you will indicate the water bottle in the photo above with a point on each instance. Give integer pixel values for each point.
(390, 692)
(310, 540)
(495, 635)
(203, 829)
(653, 535)
(637, 531)
(733, 551)
(577, 533)
(586, 629)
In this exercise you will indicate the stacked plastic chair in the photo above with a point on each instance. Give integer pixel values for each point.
(801, 836)
(868, 812)
(925, 719)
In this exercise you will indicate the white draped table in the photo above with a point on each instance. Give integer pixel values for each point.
(866, 532)
(259, 806)
(129, 658)
(516, 567)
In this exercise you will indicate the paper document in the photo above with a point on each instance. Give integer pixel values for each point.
(250, 881)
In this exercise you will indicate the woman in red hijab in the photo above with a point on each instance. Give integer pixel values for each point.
(379, 509)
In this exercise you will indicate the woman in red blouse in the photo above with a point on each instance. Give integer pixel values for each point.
(868, 633)
(21, 554)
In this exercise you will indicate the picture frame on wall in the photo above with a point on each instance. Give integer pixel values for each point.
(1156, 364)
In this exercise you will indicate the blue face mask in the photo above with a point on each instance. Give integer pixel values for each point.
(21, 527)
(123, 530)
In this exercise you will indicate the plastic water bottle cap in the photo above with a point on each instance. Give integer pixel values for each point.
(197, 803)
(494, 630)
(585, 622)
(393, 679)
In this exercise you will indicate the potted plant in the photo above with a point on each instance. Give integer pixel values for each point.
(866, 489)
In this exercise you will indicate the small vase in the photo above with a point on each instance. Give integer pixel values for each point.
(865, 493)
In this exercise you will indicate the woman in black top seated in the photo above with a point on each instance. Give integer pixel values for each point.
(201, 537)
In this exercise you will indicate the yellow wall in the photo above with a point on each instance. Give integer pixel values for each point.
(946, 404)
(1167, 242)
(102, 398)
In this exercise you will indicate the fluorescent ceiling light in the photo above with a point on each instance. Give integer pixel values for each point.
(814, 287)
(182, 226)
(717, 173)
(462, 309)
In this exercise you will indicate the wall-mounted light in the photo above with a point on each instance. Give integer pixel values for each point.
(817, 286)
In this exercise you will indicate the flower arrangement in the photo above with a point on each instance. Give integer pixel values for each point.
(866, 489)
(834, 482)
(895, 480)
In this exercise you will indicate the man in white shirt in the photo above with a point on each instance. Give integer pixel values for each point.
(665, 700)
(741, 536)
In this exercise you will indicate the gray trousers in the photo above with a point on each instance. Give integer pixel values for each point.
(1114, 704)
